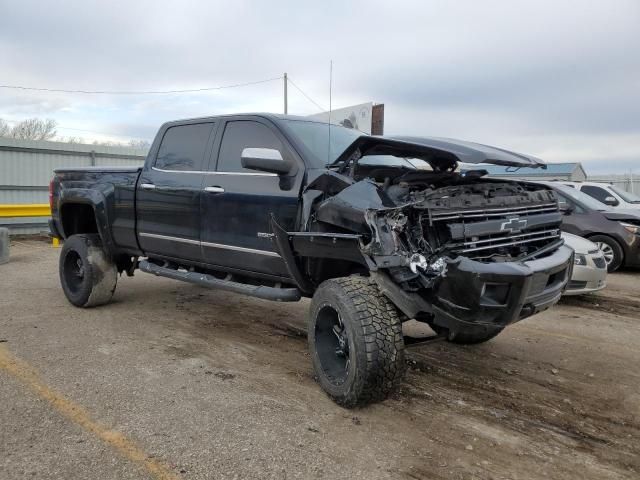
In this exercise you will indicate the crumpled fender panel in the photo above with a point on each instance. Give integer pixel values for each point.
(347, 209)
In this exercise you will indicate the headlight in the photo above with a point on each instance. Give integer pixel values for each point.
(629, 227)
(580, 260)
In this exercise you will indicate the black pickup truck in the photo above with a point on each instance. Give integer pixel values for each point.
(376, 230)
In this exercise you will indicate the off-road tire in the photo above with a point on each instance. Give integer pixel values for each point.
(87, 275)
(375, 343)
(616, 249)
(470, 337)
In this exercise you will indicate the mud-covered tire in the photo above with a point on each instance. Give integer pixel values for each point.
(611, 249)
(471, 336)
(371, 334)
(87, 275)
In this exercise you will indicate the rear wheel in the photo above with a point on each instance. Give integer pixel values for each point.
(611, 249)
(356, 343)
(88, 277)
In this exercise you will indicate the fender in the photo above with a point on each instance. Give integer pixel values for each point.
(97, 199)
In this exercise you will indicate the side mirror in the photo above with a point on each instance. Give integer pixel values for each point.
(611, 201)
(565, 208)
(265, 160)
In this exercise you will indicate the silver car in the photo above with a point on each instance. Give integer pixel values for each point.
(589, 269)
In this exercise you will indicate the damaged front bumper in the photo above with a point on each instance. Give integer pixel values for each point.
(475, 294)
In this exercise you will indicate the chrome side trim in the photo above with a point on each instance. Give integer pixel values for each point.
(173, 239)
(209, 244)
(202, 172)
(240, 249)
(214, 189)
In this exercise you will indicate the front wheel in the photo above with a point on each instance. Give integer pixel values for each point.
(356, 343)
(612, 251)
(87, 275)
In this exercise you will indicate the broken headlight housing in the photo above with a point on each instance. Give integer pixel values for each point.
(631, 228)
(580, 260)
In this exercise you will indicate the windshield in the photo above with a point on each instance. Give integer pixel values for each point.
(314, 136)
(582, 198)
(626, 196)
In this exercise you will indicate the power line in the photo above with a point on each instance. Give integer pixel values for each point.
(142, 92)
(306, 96)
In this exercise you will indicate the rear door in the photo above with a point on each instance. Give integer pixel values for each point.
(236, 202)
(169, 190)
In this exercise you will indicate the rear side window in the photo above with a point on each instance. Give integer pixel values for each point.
(595, 192)
(183, 147)
(243, 134)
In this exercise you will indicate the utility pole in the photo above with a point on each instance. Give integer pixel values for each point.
(286, 108)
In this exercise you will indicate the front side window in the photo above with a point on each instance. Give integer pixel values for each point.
(598, 193)
(183, 147)
(241, 134)
(324, 142)
(581, 199)
(564, 203)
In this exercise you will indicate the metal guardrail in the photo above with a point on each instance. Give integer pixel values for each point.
(27, 210)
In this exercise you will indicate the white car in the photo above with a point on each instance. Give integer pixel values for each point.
(589, 269)
(608, 194)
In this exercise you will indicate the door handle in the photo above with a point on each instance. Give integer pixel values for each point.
(147, 186)
(214, 189)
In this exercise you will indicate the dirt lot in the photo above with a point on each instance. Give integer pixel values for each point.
(175, 381)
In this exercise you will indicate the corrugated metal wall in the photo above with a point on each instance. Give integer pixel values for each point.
(26, 167)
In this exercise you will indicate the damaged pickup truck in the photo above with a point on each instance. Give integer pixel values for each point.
(376, 230)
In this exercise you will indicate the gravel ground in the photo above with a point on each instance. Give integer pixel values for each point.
(175, 381)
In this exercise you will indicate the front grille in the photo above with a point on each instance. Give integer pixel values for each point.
(600, 262)
(505, 231)
(484, 214)
(507, 240)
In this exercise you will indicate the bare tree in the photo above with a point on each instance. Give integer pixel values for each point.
(5, 129)
(34, 129)
(139, 144)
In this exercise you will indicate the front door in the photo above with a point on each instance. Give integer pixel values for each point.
(169, 190)
(236, 202)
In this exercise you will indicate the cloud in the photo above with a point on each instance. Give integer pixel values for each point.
(557, 79)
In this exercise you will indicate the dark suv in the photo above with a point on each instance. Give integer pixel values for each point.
(616, 232)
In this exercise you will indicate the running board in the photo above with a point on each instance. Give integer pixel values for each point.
(414, 341)
(205, 280)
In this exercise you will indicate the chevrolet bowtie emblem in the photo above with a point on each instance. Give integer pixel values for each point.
(513, 224)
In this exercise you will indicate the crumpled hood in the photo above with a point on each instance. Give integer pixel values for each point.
(439, 152)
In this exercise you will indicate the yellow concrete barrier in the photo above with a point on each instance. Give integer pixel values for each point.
(27, 210)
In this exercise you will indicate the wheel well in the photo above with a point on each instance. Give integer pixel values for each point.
(78, 218)
(589, 237)
(321, 269)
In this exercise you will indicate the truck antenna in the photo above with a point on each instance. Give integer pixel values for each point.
(329, 122)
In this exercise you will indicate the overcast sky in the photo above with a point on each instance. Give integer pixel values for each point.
(556, 79)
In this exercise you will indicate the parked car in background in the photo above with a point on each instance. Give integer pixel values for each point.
(616, 232)
(608, 194)
(589, 269)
